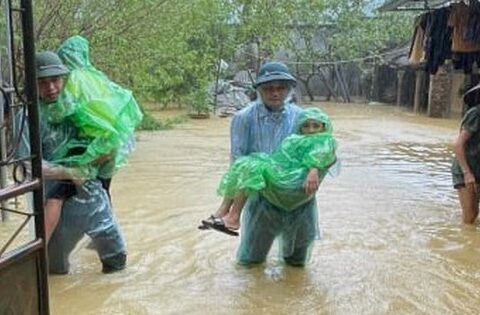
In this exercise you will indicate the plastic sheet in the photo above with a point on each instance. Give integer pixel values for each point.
(90, 213)
(262, 223)
(105, 114)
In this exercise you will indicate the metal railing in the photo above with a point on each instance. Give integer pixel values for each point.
(23, 269)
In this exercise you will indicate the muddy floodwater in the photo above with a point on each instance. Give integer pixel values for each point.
(392, 242)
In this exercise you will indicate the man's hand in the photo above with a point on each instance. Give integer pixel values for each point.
(470, 181)
(76, 176)
(311, 182)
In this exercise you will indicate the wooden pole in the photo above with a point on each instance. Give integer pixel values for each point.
(343, 84)
(419, 86)
(327, 84)
(400, 76)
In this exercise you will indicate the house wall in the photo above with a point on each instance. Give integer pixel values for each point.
(456, 97)
(440, 92)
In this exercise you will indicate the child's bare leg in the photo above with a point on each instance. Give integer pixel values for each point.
(232, 219)
(53, 209)
(224, 208)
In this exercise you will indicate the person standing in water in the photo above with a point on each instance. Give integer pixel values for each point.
(261, 127)
(466, 164)
(85, 209)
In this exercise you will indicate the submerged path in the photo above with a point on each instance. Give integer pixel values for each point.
(392, 239)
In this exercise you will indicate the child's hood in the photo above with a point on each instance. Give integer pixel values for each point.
(316, 114)
(74, 52)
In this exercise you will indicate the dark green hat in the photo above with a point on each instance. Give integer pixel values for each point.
(471, 90)
(472, 96)
(48, 64)
(274, 71)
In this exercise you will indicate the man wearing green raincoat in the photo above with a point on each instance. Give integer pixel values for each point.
(261, 127)
(89, 210)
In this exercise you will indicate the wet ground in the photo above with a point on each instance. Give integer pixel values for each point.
(392, 239)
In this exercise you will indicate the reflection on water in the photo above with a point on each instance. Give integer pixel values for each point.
(392, 239)
(424, 166)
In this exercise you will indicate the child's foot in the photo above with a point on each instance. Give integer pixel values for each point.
(202, 226)
(231, 224)
(219, 225)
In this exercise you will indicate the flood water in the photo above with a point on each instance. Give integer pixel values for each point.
(392, 240)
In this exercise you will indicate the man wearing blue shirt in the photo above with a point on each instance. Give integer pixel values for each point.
(261, 127)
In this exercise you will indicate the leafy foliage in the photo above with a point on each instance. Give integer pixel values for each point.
(166, 51)
(328, 31)
(150, 123)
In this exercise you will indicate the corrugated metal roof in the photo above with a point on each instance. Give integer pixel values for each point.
(397, 5)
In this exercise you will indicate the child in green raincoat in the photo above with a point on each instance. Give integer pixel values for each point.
(282, 177)
(105, 116)
(104, 113)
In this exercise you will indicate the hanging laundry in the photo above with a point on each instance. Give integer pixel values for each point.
(465, 51)
(472, 32)
(438, 39)
(417, 53)
(465, 61)
(459, 22)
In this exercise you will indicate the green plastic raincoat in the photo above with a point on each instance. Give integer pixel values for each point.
(105, 114)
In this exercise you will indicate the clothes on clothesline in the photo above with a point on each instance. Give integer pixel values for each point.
(449, 33)
(473, 30)
(438, 38)
(431, 42)
(465, 61)
(459, 22)
(417, 53)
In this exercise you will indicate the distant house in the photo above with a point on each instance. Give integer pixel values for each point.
(438, 93)
(394, 79)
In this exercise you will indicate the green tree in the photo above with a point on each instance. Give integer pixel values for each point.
(326, 31)
(166, 51)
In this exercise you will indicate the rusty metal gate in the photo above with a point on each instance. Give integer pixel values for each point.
(23, 263)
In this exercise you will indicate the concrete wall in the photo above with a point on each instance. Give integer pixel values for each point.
(440, 93)
(456, 99)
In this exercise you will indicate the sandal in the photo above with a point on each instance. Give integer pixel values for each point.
(218, 225)
(205, 227)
